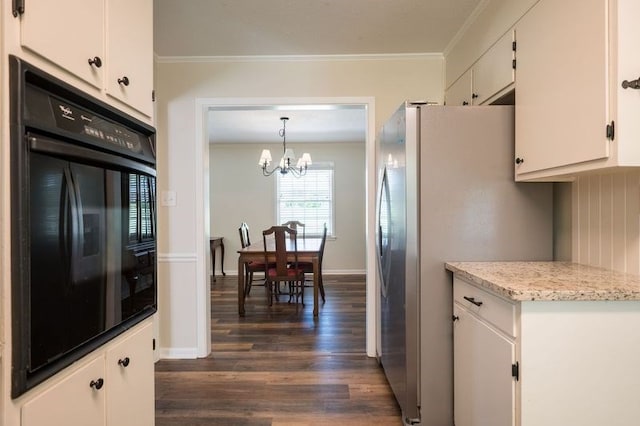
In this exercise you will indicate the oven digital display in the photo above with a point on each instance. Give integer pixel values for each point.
(74, 119)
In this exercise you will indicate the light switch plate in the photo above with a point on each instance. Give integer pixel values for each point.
(168, 198)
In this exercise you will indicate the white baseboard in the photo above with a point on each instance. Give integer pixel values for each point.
(345, 272)
(178, 353)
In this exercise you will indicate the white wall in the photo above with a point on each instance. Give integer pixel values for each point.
(181, 86)
(250, 197)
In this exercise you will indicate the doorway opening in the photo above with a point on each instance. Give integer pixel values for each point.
(216, 117)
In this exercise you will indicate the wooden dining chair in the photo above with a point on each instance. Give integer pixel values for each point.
(250, 268)
(295, 225)
(283, 269)
(308, 266)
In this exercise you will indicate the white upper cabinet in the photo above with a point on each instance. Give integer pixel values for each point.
(74, 40)
(494, 70)
(572, 114)
(460, 92)
(130, 52)
(489, 77)
(106, 43)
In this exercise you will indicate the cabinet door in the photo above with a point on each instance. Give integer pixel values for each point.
(484, 390)
(68, 33)
(130, 53)
(561, 84)
(72, 401)
(494, 70)
(130, 397)
(459, 93)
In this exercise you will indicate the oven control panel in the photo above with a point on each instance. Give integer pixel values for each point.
(74, 119)
(80, 119)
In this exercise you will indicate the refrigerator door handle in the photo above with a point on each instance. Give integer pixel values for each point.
(76, 225)
(382, 250)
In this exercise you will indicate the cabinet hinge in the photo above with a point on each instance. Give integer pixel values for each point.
(17, 7)
(153, 96)
(611, 130)
(153, 344)
(513, 64)
(515, 371)
(513, 45)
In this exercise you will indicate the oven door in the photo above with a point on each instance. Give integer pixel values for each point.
(92, 239)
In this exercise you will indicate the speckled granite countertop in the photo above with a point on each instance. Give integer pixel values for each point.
(526, 281)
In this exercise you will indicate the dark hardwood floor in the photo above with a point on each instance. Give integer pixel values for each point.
(278, 367)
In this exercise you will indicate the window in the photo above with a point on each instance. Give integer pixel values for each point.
(308, 199)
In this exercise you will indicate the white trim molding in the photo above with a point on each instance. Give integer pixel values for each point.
(177, 257)
(203, 105)
(178, 353)
(296, 58)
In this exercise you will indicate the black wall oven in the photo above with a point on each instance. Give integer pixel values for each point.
(83, 221)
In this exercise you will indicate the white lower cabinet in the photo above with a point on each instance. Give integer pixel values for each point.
(129, 372)
(544, 362)
(114, 387)
(72, 401)
(484, 386)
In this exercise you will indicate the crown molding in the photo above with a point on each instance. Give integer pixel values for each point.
(467, 23)
(298, 58)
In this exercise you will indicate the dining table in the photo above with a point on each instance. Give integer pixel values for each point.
(308, 251)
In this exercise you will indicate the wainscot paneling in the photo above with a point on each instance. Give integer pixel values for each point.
(176, 285)
(606, 221)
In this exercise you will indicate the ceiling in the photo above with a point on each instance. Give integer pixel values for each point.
(228, 28)
(306, 124)
(306, 27)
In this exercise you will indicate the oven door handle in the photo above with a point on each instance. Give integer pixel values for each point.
(45, 145)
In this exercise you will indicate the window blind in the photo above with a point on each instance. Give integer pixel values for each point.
(308, 199)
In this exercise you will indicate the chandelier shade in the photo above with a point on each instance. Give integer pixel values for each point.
(287, 163)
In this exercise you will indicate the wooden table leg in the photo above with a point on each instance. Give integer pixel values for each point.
(212, 247)
(316, 284)
(222, 256)
(213, 243)
(241, 285)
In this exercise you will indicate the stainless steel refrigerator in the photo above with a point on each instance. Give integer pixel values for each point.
(446, 192)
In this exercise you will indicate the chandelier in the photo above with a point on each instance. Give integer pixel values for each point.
(288, 159)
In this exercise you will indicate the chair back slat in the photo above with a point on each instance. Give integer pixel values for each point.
(280, 234)
(324, 239)
(244, 235)
(295, 225)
